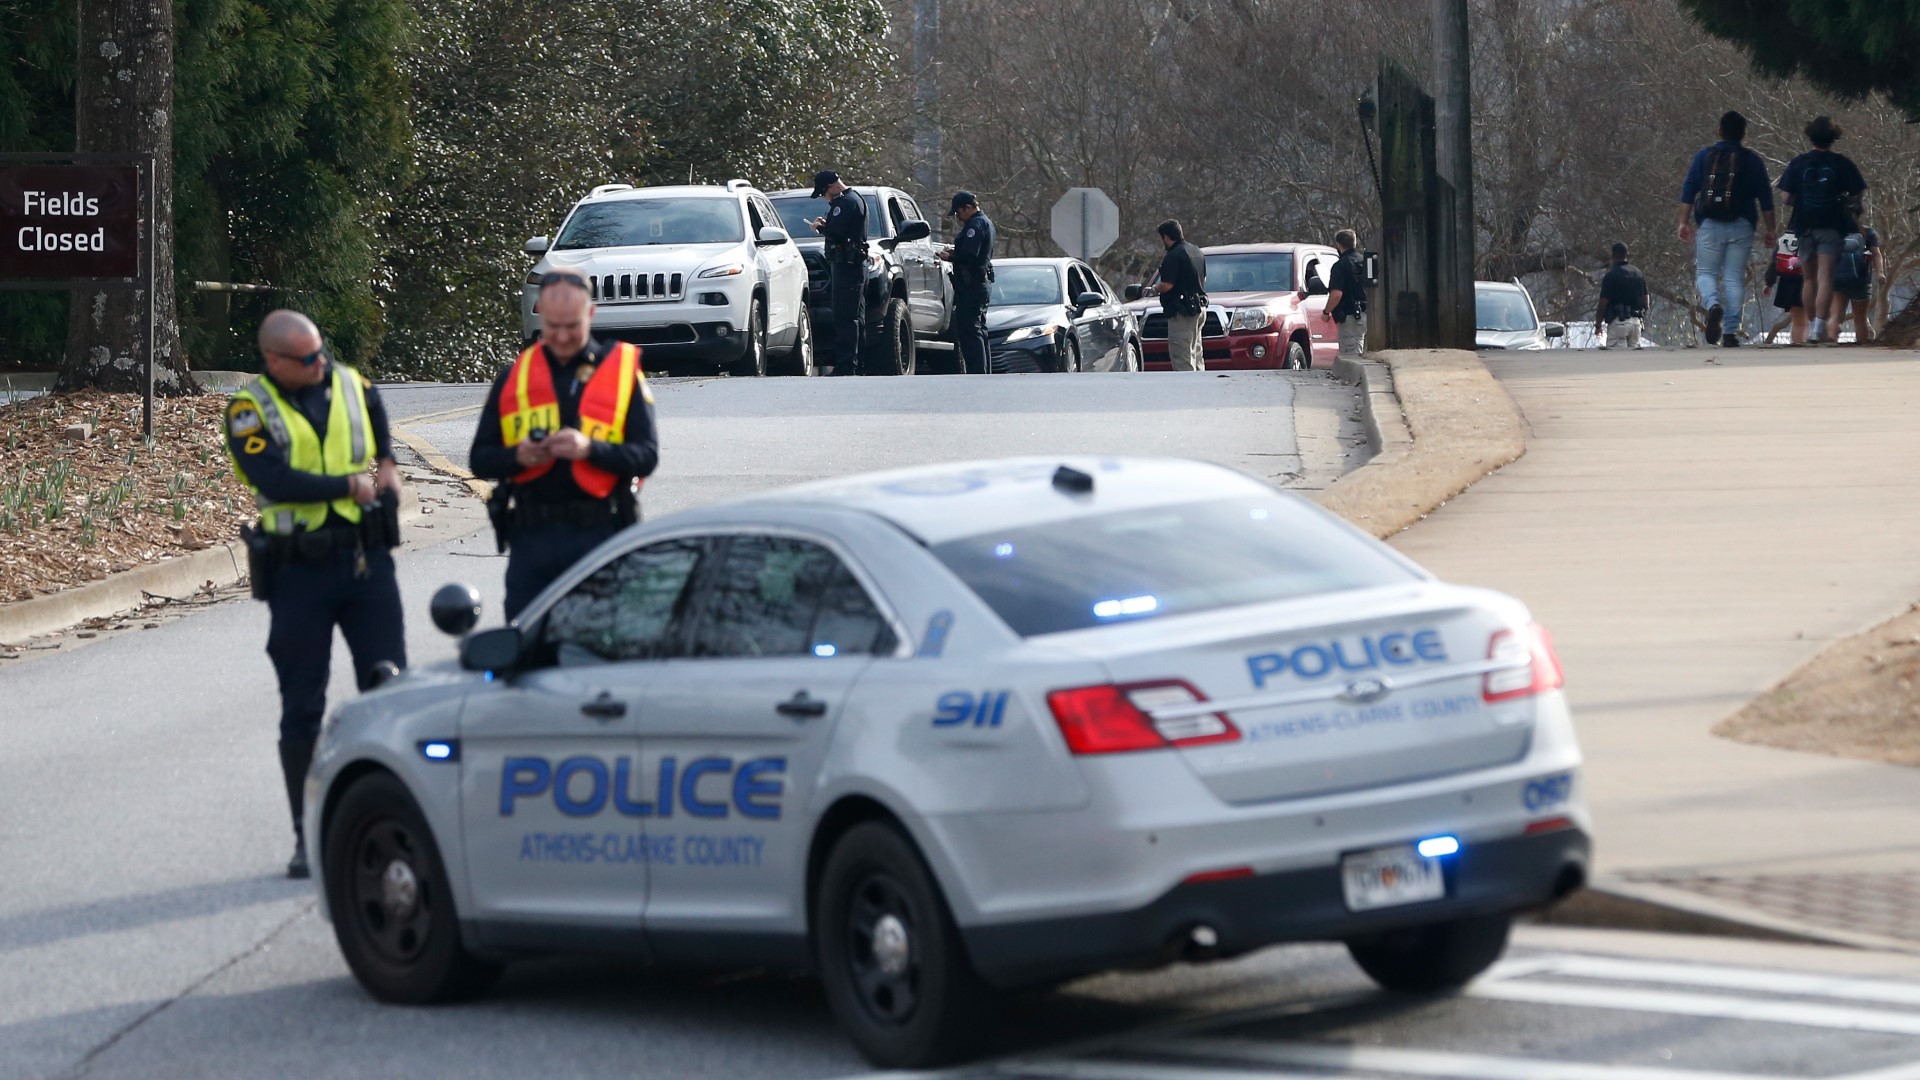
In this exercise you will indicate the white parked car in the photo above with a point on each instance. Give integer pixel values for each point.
(702, 278)
(1505, 318)
(942, 732)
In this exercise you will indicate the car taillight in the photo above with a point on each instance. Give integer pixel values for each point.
(1112, 719)
(1540, 674)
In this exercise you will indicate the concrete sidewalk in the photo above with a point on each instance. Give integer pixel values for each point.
(1691, 534)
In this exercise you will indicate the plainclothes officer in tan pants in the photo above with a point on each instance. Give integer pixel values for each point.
(1183, 296)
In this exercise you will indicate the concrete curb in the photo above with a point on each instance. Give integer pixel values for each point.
(1437, 421)
(1613, 904)
(43, 380)
(179, 577)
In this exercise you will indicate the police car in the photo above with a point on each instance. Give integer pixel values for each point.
(938, 733)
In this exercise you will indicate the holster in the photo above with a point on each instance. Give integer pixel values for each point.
(500, 514)
(260, 562)
(380, 523)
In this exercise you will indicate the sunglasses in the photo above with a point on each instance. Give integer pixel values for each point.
(311, 358)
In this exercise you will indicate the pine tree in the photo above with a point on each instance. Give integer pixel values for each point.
(1850, 47)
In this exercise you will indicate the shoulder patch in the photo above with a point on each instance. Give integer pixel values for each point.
(836, 211)
(243, 419)
(969, 232)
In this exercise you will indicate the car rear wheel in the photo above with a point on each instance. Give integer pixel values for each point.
(799, 359)
(754, 360)
(1427, 959)
(392, 907)
(889, 954)
(893, 341)
(1296, 356)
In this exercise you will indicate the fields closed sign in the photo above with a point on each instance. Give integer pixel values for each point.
(69, 221)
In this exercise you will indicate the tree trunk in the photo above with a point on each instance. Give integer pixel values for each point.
(123, 103)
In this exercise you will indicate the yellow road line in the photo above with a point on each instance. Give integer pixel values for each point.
(439, 462)
(444, 414)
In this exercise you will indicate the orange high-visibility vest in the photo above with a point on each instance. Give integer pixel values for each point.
(528, 403)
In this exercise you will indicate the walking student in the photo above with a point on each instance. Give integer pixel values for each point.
(1623, 302)
(1183, 296)
(1822, 186)
(1721, 202)
(302, 437)
(567, 433)
(1785, 281)
(1347, 296)
(1854, 278)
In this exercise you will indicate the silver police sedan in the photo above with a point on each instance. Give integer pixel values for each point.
(937, 733)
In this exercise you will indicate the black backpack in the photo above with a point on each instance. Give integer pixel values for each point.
(1819, 197)
(1715, 201)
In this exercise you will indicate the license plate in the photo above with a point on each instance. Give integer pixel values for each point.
(1389, 877)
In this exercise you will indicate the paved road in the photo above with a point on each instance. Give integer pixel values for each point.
(722, 437)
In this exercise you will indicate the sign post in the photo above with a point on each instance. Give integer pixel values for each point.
(1085, 222)
(74, 220)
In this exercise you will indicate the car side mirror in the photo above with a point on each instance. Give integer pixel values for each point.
(771, 236)
(455, 609)
(1088, 300)
(495, 650)
(1134, 292)
(1554, 329)
(911, 230)
(1316, 286)
(536, 246)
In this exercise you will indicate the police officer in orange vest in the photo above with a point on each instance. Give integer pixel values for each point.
(569, 426)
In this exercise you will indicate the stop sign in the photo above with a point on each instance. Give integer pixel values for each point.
(1085, 222)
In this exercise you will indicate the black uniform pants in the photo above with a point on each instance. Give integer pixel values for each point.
(849, 313)
(308, 600)
(541, 553)
(970, 332)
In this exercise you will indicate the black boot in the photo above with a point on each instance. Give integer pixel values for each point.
(294, 759)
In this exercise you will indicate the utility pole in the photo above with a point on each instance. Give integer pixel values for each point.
(926, 95)
(1453, 155)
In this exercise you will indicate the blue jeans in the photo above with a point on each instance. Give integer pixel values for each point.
(1720, 253)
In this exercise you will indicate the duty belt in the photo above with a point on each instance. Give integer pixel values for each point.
(584, 513)
(317, 546)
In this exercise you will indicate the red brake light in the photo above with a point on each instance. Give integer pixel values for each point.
(1110, 719)
(1541, 674)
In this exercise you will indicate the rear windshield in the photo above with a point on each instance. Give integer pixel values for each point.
(1163, 560)
(637, 222)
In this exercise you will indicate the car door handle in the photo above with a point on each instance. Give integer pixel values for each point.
(801, 707)
(604, 707)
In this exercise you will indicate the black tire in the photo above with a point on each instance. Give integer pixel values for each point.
(392, 907)
(923, 1014)
(1070, 358)
(1136, 356)
(754, 361)
(1429, 959)
(890, 344)
(800, 359)
(1298, 358)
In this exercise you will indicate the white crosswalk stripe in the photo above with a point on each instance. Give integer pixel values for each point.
(1216, 1048)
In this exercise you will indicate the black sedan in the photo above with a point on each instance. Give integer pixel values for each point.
(1057, 315)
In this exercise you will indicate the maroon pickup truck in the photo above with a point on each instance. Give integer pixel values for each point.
(1264, 304)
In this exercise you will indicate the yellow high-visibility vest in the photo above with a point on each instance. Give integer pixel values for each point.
(344, 452)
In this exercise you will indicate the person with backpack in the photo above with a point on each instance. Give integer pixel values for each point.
(1855, 276)
(1785, 281)
(1822, 187)
(1724, 197)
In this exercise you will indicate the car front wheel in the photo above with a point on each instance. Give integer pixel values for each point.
(892, 341)
(754, 360)
(1296, 356)
(392, 907)
(800, 359)
(1428, 959)
(889, 954)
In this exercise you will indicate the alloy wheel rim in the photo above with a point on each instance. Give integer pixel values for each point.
(883, 950)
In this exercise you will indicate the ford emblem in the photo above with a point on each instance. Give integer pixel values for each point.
(1362, 691)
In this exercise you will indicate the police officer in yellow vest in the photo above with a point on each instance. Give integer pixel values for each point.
(302, 437)
(568, 427)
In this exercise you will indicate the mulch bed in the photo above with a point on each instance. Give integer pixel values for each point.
(75, 509)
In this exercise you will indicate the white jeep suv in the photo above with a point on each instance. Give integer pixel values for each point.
(701, 278)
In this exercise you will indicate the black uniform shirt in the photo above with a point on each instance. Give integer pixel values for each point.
(1185, 268)
(491, 459)
(1624, 287)
(1347, 281)
(846, 220)
(973, 248)
(268, 465)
